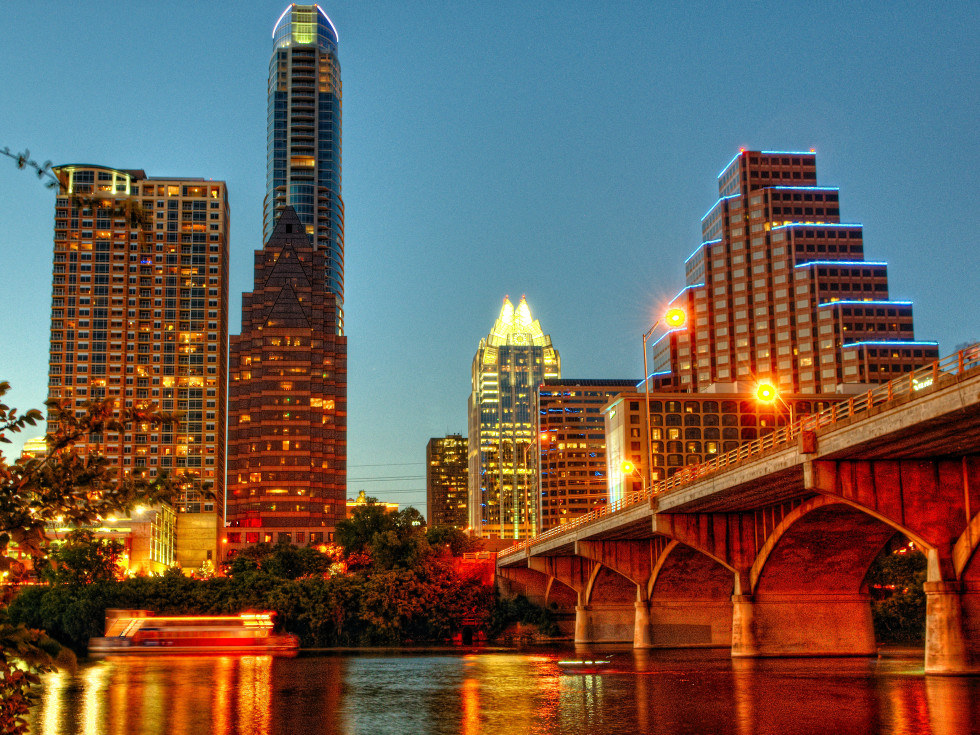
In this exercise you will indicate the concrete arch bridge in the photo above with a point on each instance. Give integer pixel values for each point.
(766, 549)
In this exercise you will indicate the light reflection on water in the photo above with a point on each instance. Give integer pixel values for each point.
(668, 692)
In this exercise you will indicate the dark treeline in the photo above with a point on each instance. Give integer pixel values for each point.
(392, 582)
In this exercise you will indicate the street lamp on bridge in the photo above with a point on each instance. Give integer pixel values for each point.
(674, 318)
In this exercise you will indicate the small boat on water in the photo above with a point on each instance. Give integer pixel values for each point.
(142, 632)
(584, 665)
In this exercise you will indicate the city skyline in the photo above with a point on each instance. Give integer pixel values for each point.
(504, 154)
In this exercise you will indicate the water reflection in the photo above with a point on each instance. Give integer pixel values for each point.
(504, 692)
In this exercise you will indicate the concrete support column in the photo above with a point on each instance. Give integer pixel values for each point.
(946, 649)
(641, 625)
(744, 641)
(582, 633)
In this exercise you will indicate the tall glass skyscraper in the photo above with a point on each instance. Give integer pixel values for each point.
(303, 167)
(510, 364)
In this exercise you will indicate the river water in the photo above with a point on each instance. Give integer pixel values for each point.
(496, 692)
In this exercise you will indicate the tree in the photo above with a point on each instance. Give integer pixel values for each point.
(68, 487)
(386, 539)
(83, 559)
(454, 539)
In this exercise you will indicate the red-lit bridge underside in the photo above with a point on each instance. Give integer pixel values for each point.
(769, 555)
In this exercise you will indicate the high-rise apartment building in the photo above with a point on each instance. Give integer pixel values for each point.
(304, 137)
(572, 435)
(139, 315)
(509, 365)
(287, 427)
(779, 289)
(446, 481)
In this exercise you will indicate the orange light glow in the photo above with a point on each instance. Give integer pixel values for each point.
(766, 392)
(675, 317)
(628, 468)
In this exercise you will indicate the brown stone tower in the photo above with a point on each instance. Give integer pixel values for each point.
(287, 426)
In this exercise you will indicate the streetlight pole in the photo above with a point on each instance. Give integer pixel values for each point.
(675, 318)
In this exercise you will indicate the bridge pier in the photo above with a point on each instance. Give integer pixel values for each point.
(826, 624)
(946, 647)
(582, 628)
(641, 625)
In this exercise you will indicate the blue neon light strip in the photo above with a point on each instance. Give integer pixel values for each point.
(653, 375)
(693, 285)
(878, 344)
(734, 158)
(813, 224)
(806, 188)
(864, 303)
(841, 262)
(698, 248)
(788, 153)
(666, 334)
(720, 200)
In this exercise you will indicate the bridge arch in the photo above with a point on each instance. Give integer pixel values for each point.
(822, 505)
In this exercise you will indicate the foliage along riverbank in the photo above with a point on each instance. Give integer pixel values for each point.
(394, 583)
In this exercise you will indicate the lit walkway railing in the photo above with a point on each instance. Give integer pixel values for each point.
(906, 386)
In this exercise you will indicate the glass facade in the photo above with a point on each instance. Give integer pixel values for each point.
(303, 168)
(509, 365)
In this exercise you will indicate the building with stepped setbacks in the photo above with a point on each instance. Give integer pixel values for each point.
(510, 363)
(287, 418)
(779, 289)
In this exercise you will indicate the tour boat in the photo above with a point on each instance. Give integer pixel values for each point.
(140, 631)
(584, 665)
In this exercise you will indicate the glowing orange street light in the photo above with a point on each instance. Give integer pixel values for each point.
(675, 317)
(767, 392)
(628, 467)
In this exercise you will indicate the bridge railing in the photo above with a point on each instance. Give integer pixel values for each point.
(903, 387)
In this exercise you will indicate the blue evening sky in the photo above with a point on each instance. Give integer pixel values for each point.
(566, 150)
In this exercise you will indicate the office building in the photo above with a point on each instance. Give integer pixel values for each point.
(509, 365)
(779, 289)
(139, 316)
(446, 485)
(304, 137)
(572, 434)
(687, 429)
(287, 427)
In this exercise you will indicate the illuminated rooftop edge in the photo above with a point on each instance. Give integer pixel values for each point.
(889, 342)
(319, 9)
(841, 262)
(822, 224)
(851, 302)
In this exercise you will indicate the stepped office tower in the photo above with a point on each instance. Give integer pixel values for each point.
(303, 165)
(445, 481)
(287, 423)
(139, 315)
(779, 289)
(509, 365)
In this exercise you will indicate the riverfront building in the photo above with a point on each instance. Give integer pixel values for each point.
(572, 436)
(446, 481)
(139, 316)
(509, 365)
(687, 429)
(779, 289)
(287, 430)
